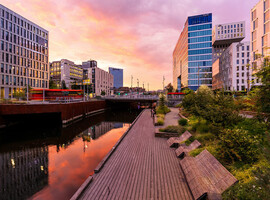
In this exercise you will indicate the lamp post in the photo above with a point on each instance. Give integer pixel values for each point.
(27, 87)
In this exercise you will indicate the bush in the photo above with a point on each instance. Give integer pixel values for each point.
(173, 129)
(182, 122)
(239, 145)
(206, 137)
(189, 141)
(160, 122)
(162, 110)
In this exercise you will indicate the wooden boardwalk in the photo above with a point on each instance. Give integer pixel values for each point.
(142, 167)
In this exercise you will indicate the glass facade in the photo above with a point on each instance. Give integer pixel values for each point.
(117, 77)
(199, 51)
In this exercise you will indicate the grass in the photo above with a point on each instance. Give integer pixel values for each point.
(162, 110)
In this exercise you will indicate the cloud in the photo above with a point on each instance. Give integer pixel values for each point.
(136, 35)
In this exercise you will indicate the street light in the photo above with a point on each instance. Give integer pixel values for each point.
(27, 74)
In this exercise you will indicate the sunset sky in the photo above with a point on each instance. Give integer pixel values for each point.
(136, 35)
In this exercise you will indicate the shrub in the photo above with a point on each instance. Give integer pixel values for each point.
(160, 122)
(189, 141)
(206, 137)
(162, 110)
(239, 145)
(173, 129)
(182, 122)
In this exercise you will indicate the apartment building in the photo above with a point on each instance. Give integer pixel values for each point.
(101, 80)
(231, 71)
(260, 33)
(226, 34)
(24, 54)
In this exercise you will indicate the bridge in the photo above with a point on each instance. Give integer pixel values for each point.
(131, 98)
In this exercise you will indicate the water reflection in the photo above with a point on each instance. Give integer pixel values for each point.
(54, 165)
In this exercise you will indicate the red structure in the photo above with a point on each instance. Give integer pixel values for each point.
(55, 94)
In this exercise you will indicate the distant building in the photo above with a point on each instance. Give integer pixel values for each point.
(231, 70)
(117, 77)
(24, 47)
(66, 70)
(226, 34)
(260, 33)
(89, 64)
(101, 80)
(192, 56)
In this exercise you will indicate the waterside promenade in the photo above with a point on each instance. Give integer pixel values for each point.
(142, 167)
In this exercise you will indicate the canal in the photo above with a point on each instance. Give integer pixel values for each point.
(46, 161)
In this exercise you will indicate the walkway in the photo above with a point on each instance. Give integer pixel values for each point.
(172, 117)
(142, 167)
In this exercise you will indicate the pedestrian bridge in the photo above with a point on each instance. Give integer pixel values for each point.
(132, 98)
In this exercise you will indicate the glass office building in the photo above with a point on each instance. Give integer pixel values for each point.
(192, 57)
(117, 77)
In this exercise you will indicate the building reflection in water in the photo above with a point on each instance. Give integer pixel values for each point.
(23, 172)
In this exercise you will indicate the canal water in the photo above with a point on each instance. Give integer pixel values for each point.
(50, 162)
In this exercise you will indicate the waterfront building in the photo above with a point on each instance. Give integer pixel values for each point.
(67, 71)
(226, 34)
(192, 56)
(231, 71)
(260, 33)
(23, 54)
(117, 77)
(101, 81)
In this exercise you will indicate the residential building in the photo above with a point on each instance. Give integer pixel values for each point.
(231, 71)
(192, 56)
(101, 80)
(226, 34)
(23, 54)
(117, 77)
(67, 71)
(260, 33)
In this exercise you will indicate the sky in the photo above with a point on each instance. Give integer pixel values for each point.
(136, 35)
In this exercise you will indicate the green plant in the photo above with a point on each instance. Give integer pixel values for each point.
(173, 129)
(239, 145)
(160, 122)
(182, 122)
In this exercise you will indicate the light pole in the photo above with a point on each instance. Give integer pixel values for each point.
(27, 87)
(163, 83)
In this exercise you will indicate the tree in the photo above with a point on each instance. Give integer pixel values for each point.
(63, 85)
(103, 93)
(263, 101)
(52, 85)
(169, 88)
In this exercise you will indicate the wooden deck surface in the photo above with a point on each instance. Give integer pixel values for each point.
(142, 167)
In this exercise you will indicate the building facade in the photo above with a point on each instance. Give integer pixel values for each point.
(67, 71)
(226, 34)
(231, 71)
(117, 77)
(260, 33)
(24, 54)
(192, 56)
(101, 80)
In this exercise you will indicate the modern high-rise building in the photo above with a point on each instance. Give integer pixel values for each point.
(231, 71)
(24, 54)
(89, 64)
(192, 56)
(101, 80)
(67, 71)
(226, 34)
(117, 77)
(260, 33)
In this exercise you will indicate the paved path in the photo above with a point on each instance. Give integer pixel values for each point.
(142, 167)
(172, 117)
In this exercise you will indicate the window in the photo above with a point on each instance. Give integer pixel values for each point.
(237, 68)
(237, 48)
(237, 81)
(243, 48)
(247, 54)
(243, 61)
(243, 55)
(237, 61)
(237, 74)
(237, 55)
(243, 68)
(2, 67)
(243, 81)
(243, 74)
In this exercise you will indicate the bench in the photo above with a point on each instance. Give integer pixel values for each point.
(206, 176)
(183, 149)
(174, 141)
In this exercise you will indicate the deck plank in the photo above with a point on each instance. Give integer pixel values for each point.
(142, 167)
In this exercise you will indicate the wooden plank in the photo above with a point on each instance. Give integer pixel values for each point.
(142, 167)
